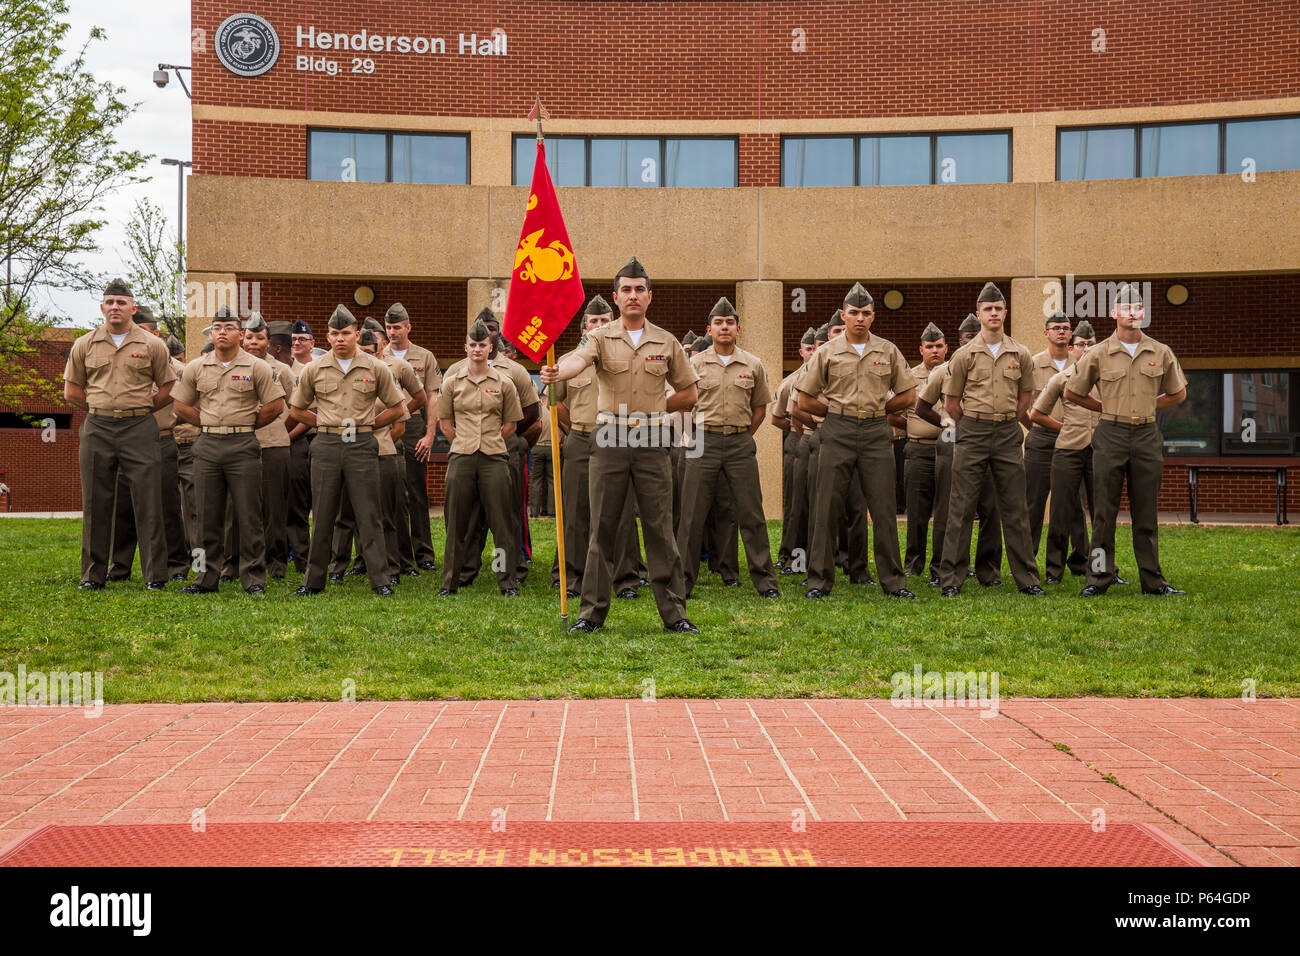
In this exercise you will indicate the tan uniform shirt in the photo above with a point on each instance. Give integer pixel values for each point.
(1044, 369)
(166, 416)
(298, 369)
(423, 364)
(728, 394)
(276, 434)
(478, 410)
(1129, 386)
(342, 397)
(227, 395)
(1076, 421)
(850, 383)
(630, 379)
(988, 385)
(932, 391)
(579, 394)
(119, 377)
(918, 428)
(406, 378)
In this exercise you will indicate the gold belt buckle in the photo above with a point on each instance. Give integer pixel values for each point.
(1135, 420)
(118, 413)
(863, 415)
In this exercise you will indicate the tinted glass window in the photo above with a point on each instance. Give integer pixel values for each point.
(972, 158)
(1272, 144)
(818, 161)
(1098, 153)
(894, 161)
(1191, 150)
(348, 157)
(700, 162)
(429, 159)
(625, 162)
(566, 160)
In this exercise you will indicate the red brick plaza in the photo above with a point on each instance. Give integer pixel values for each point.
(1220, 778)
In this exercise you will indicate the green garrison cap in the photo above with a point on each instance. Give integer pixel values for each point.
(486, 315)
(1084, 330)
(632, 269)
(368, 337)
(702, 343)
(174, 346)
(722, 307)
(1057, 316)
(373, 325)
(118, 287)
(1129, 293)
(689, 337)
(255, 323)
(809, 337)
(279, 328)
(969, 324)
(207, 347)
(341, 318)
(858, 296)
(932, 333)
(144, 314)
(479, 332)
(823, 334)
(598, 306)
(837, 318)
(396, 313)
(990, 293)
(225, 314)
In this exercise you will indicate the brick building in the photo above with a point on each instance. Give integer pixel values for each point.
(776, 152)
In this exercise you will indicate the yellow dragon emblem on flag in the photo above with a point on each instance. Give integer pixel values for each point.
(550, 263)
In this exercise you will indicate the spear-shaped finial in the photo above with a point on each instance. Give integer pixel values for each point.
(539, 112)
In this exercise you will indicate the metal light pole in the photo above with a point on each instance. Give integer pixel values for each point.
(181, 165)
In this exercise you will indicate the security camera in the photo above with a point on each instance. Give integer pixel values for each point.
(160, 78)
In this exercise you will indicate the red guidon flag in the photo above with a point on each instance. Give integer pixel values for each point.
(545, 290)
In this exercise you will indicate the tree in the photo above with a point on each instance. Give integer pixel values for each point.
(58, 154)
(155, 264)
(22, 383)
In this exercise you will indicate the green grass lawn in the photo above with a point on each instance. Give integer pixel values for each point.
(1240, 621)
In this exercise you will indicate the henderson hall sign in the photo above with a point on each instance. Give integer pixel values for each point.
(247, 45)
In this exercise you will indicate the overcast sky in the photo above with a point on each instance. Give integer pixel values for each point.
(141, 34)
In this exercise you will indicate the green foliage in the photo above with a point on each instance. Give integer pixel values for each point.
(59, 155)
(21, 382)
(1239, 621)
(156, 266)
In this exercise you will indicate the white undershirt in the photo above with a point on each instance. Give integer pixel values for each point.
(117, 339)
(859, 348)
(345, 364)
(225, 365)
(726, 359)
(1060, 364)
(401, 354)
(635, 336)
(995, 349)
(1132, 349)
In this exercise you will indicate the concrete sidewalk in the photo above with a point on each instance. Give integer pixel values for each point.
(1221, 777)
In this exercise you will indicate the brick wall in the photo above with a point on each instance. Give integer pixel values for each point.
(41, 475)
(265, 150)
(778, 59)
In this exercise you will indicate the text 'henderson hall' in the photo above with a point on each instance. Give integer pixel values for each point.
(367, 42)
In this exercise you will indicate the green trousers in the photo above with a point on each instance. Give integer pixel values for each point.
(228, 473)
(1132, 454)
(475, 483)
(129, 446)
(997, 446)
(345, 468)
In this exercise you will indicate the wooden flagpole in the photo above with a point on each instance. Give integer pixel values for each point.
(555, 455)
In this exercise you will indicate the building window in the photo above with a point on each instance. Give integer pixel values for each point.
(907, 159)
(1233, 413)
(1178, 149)
(365, 157)
(632, 162)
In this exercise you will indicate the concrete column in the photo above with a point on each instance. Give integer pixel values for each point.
(205, 292)
(1029, 306)
(486, 292)
(490, 159)
(761, 307)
